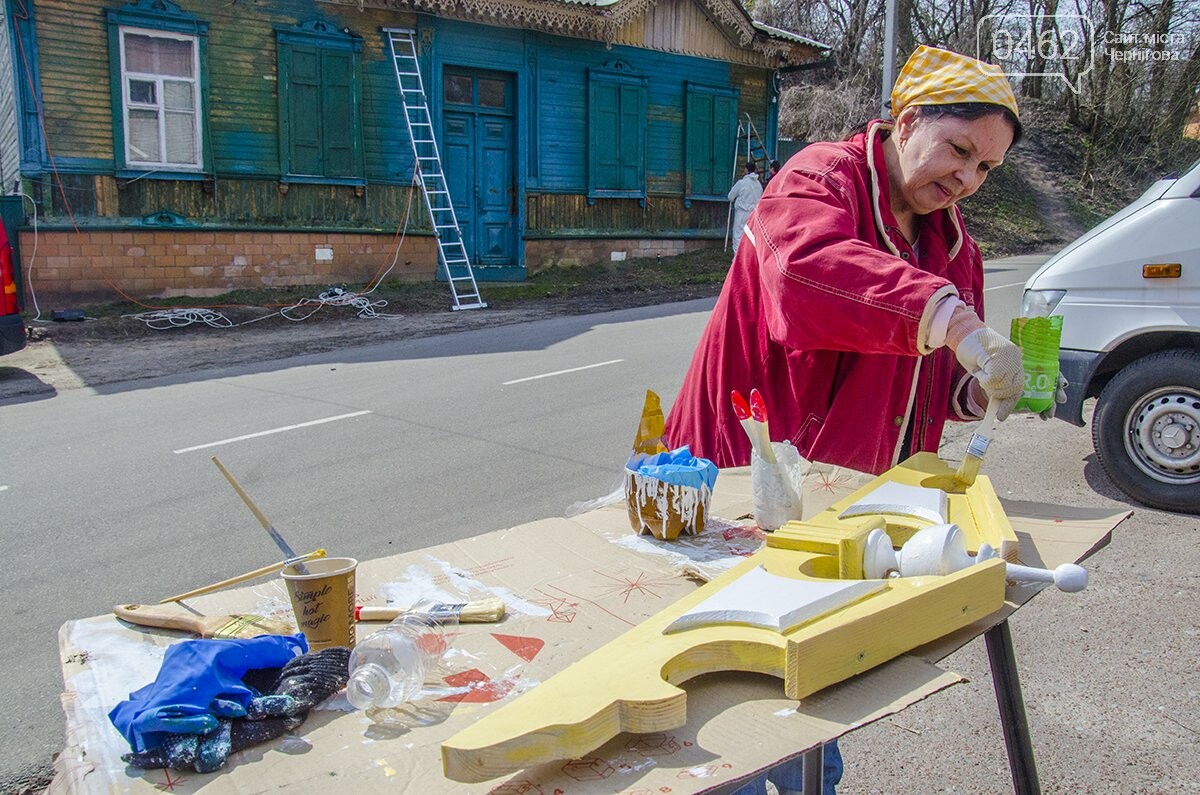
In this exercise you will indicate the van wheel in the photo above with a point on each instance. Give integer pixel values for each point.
(1146, 430)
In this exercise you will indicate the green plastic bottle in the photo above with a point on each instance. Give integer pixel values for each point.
(1039, 339)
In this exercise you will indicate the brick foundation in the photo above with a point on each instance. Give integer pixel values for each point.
(99, 265)
(573, 252)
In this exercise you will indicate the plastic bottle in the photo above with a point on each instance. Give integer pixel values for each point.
(389, 667)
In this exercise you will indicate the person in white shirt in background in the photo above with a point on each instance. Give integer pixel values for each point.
(744, 194)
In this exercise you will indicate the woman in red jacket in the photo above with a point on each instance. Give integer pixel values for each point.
(855, 301)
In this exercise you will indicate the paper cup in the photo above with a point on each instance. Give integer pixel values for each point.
(323, 601)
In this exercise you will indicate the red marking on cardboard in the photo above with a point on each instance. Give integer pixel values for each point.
(170, 784)
(481, 689)
(524, 647)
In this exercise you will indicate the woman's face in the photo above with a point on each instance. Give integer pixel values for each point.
(944, 159)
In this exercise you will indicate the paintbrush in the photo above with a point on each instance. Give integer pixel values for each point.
(968, 470)
(284, 547)
(758, 412)
(742, 409)
(484, 611)
(235, 626)
(250, 575)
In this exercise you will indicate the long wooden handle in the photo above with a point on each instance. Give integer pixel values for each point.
(259, 515)
(164, 618)
(484, 611)
(250, 575)
(284, 547)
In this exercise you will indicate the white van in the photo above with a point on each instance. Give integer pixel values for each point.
(1129, 295)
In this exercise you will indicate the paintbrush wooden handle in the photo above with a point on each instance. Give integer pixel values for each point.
(284, 547)
(236, 626)
(259, 515)
(250, 575)
(484, 611)
(163, 618)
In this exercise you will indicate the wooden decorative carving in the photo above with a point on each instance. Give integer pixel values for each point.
(631, 684)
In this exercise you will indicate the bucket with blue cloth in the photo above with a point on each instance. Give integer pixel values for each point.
(667, 493)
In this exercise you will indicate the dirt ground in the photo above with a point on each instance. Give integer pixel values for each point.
(71, 355)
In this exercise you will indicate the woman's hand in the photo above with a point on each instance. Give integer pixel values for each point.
(991, 358)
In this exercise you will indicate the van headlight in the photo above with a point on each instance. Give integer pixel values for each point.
(1040, 303)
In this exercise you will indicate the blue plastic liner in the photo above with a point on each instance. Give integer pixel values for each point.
(678, 467)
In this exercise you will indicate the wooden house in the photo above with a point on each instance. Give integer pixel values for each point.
(199, 146)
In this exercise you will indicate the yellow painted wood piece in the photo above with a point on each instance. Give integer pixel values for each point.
(631, 684)
(879, 628)
(974, 508)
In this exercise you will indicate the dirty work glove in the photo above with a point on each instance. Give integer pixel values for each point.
(293, 689)
(312, 678)
(991, 358)
(1060, 396)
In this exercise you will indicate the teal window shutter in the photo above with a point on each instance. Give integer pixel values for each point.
(710, 139)
(632, 137)
(304, 98)
(338, 114)
(698, 138)
(605, 135)
(616, 132)
(320, 130)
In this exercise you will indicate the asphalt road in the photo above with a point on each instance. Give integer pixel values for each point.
(112, 498)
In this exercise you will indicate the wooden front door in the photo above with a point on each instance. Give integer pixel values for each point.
(478, 159)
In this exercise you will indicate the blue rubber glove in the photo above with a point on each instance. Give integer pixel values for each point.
(294, 689)
(198, 684)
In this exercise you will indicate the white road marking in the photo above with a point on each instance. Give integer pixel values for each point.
(1002, 286)
(562, 372)
(273, 430)
(3, 488)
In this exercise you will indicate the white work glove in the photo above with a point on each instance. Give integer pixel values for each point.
(1060, 397)
(990, 357)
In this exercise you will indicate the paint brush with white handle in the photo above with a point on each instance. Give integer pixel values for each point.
(742, 409)
(758, 412)
(483, 611)
(968, 470)
(777, 497)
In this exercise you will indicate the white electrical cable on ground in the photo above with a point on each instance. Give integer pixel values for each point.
(178, 318)
(336, 296)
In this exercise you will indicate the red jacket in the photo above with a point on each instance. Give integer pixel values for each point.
(822, 311)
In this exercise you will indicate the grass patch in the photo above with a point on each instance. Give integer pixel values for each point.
(1088, 215)
(1004, 217)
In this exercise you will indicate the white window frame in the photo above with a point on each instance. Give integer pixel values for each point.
(127, 104)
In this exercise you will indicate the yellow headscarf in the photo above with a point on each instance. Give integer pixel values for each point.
(941, 77)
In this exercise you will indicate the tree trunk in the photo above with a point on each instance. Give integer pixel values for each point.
(1160, 41)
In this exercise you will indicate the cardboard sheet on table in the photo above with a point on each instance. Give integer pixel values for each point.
(569, 590)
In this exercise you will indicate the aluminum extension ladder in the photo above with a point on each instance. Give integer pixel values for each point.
(755, 151)
(452, 253)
